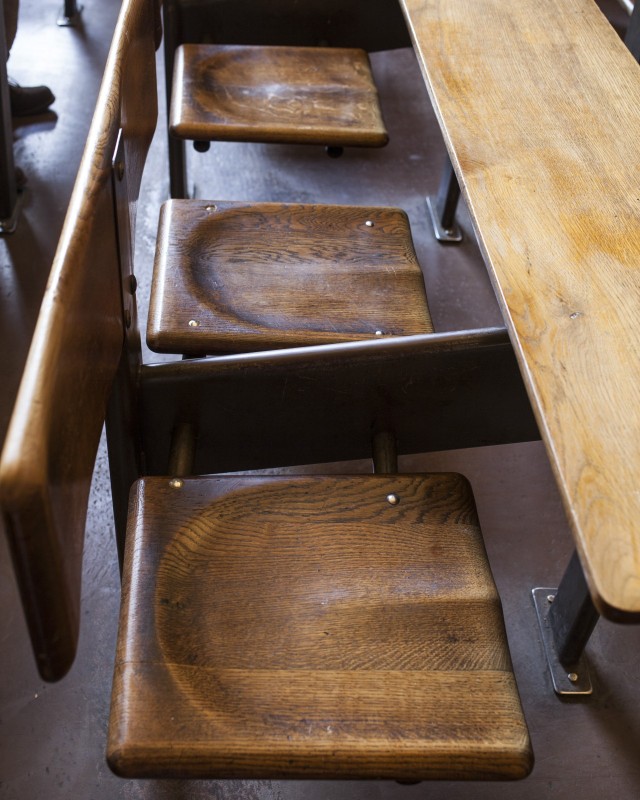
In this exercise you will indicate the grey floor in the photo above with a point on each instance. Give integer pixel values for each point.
(52, 737)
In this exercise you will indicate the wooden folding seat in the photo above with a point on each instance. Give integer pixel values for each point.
(290, 95)
(283, 71)
(316, 626)
(235, 277)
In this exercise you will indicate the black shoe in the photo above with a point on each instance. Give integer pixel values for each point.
(27, 101)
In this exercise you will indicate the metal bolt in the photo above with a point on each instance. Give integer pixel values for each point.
(369, 223)
(176, 483)
(210, 208)
(551, 598)
(572, 677)
(379, 333)
(193, 323)
(393, 499)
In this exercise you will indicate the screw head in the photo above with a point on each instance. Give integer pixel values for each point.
(210, 208)
(176, 483)
(369, 223)
(551, 598)
(573, 677)
(379, 333)
(193, 323)
(393, 499)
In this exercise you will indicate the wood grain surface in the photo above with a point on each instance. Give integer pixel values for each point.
(307, 627)
(235, 277)
(50, 448)
(311, 95)
(538, 101)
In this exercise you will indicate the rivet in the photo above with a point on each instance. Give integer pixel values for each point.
(210, 208)
(369, 223)
(176, 483)
(551, 598)
(573, 677)
(393, 499)
(193, 323)
(379, 333)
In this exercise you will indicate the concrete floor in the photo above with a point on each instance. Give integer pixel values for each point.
(52, 737)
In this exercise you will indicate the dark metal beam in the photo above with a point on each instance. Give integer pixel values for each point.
(317, 404)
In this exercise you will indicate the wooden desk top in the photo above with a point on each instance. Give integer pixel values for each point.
(539, 102)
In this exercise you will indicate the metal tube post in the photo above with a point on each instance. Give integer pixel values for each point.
(70, 14)
(442, 207)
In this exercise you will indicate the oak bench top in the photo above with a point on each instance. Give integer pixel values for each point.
(539, 102)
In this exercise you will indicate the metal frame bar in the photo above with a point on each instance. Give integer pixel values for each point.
(69, 14)
(177, 151)
(317, 404)
(442, 207)
(567, 617)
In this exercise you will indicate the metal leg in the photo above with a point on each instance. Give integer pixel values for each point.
(9, 205)
(69, 14)
(442, 207)
(632, 39)
(567, 618)
(177, 151)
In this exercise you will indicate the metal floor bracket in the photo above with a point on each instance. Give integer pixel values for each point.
(452, 234)
(567, 680)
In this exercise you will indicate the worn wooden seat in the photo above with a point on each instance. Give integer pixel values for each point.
(317, 626)
(299, 95)
(312, 627)
(234, 277)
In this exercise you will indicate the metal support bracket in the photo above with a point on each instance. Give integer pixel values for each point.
(573, 679)
(442, 207)
(69, 14)
(567, 617)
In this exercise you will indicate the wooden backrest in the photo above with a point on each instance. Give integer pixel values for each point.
(51, 444)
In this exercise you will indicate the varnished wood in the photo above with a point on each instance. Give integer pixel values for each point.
(49, 452)
(276, 94)
(234, 277)
(538, 101)
(307, 627)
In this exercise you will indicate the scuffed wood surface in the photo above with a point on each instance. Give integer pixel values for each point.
(538, 101)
